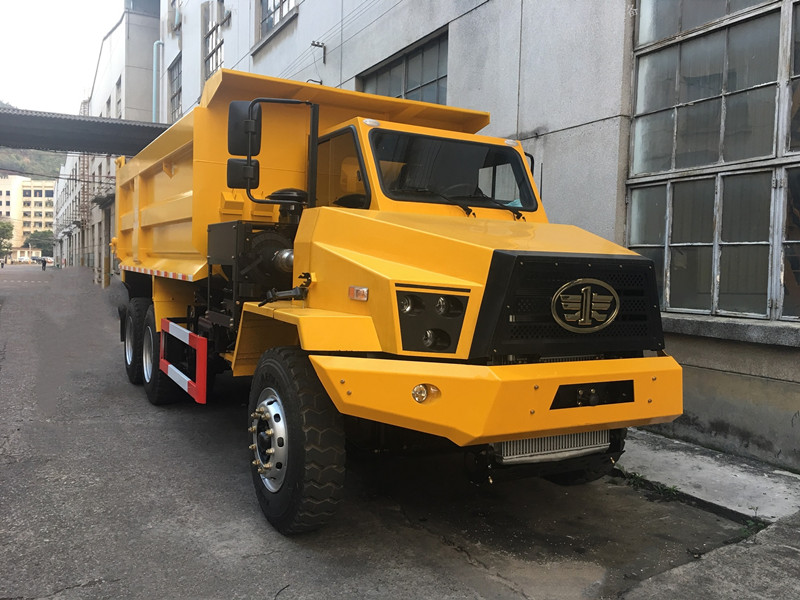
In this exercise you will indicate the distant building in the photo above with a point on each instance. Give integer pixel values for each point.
(28, 204)
(122, 89)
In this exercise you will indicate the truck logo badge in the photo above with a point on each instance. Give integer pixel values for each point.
(585, 305)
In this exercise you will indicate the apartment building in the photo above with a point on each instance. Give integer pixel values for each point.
(28, 205)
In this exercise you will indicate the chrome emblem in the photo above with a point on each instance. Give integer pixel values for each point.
(585, 305)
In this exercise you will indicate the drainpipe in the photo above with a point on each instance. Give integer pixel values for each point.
(156, 44)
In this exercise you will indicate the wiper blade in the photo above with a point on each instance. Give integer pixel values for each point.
(517, 214)
(467, 210)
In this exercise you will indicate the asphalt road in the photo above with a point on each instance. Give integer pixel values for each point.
(103, 495)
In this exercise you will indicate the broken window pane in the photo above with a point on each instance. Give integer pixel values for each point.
(648, 215)
(690, 277)
(656, 81)
(658, 19)
(693, 211)
(701, 67)
(697, 142)
(791, 280)
(652, 142)
(753, 52)
(746, 207)
(696, 13)
(743, 274)
(749, 124)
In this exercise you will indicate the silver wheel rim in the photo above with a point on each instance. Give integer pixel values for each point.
(147, 354)
(270, 444)
(128, 340)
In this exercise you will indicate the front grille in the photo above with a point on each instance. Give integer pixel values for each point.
(557, 447)
(516, 317)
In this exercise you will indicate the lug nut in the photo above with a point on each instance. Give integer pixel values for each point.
(254, 446)
(260, 410)
(268, 466)
(252, 429)
(256, 462)
(269, 450)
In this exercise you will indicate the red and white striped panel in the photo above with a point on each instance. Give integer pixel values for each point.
(197, 388)
(158, 273)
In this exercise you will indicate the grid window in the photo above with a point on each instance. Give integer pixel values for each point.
(420, 74)
(715, 225)
(118, 95)
(708, 99)
(714, 184)
(175, 74)
(274, 13)
(212, 38)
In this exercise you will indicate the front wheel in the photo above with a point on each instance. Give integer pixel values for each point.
(297, 443)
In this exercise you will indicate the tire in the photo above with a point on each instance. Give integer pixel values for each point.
(132, 342)
(297, 439)
(159, 388)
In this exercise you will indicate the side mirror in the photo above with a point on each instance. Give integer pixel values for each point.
(244, 133)
(243, 174)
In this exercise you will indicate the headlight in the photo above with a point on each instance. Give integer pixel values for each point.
(410, 304)
(430, 321)
(448, 306)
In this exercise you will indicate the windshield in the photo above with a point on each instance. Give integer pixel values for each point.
(420, 168)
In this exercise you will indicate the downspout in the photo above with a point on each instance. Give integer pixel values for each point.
(156, 44)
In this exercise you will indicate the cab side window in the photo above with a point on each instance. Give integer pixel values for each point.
(340, 180)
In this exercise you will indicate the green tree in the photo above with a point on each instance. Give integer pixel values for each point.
(6, 233)
(43, 240)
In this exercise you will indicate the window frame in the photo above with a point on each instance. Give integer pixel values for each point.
(778, 164)
(402, 59)
(212, 39)
(175, 75)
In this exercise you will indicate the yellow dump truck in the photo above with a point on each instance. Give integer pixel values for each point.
(375, 265)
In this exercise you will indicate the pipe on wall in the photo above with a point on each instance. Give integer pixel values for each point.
(156, 44)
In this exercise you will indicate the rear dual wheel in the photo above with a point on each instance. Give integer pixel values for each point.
(132, 344)
(160, 389)
(297, 443)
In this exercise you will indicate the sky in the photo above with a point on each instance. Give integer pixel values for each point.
(50, 50)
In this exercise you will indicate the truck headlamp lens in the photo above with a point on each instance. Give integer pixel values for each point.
(410, 304)
(448, 306)
(434, 339)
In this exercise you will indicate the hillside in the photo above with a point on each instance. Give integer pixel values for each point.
(30, 163)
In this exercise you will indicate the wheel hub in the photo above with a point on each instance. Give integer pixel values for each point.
(129, 340)
(270, 444)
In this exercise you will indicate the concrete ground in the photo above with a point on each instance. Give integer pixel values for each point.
(106, 496)
(765, 566)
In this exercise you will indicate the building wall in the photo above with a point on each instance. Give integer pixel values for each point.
(561, 77)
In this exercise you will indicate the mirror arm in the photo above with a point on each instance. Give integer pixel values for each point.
(250, 129)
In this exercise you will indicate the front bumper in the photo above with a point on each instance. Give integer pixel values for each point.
(482, 404)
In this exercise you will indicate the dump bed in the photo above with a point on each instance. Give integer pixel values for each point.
(169, 193)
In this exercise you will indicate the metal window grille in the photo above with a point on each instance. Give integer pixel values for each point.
(175, 75)
(273, 12)
(420, 73)
(714, 184)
